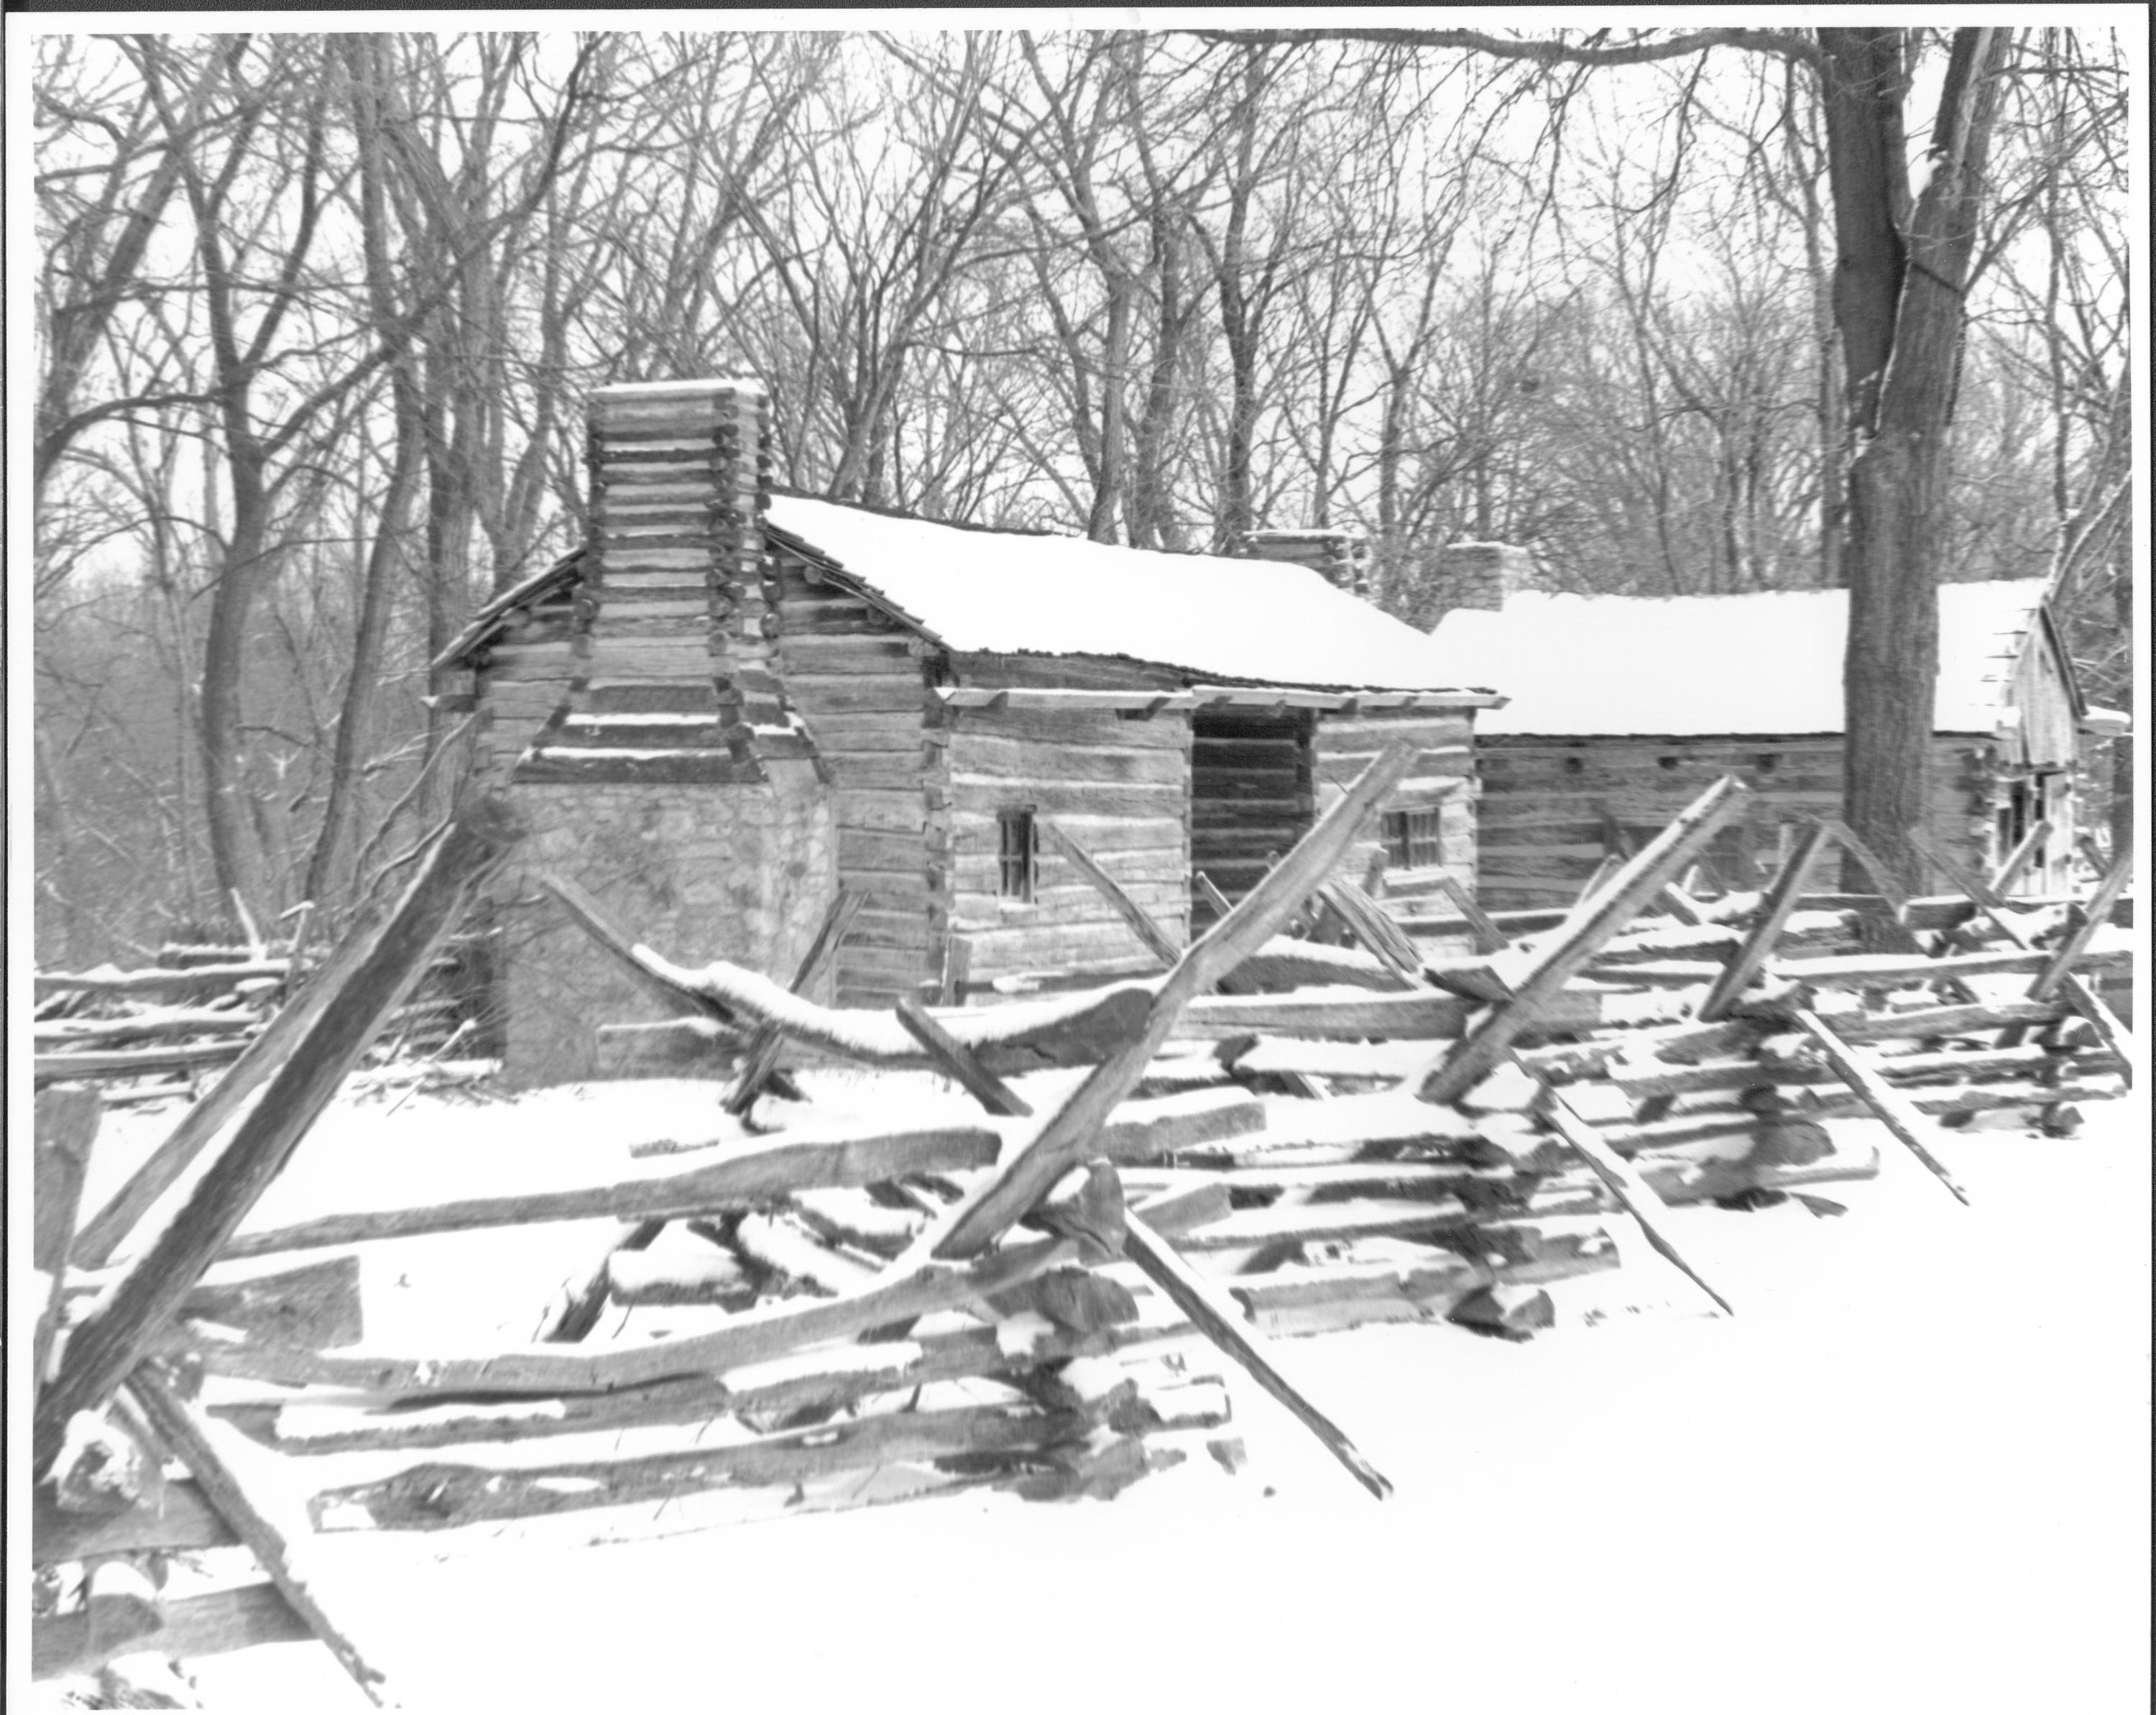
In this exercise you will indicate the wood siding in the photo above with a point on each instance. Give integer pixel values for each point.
(1119, 786)
(1551, 809)
(2048, 737)
(521, 681)
(1444, 778)
(852, 678)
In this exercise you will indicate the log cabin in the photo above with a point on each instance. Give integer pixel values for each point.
(1622, 709)
(731, 703)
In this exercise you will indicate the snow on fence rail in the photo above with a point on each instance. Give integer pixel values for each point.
(880, 1315)
(149, 1033)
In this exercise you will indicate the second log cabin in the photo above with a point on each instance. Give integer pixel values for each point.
(1623, 708)
(731, 703)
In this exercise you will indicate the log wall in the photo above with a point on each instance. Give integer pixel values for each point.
(1551, 808)
(522, 680)
(1118, 784)
(2047, 737)
(861, 691)
(1444, 778)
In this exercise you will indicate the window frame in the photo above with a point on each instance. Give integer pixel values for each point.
(1408, 831)
(1018, 855)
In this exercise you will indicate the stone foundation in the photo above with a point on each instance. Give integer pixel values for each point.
(743, 873)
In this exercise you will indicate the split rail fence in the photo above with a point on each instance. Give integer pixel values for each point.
(1276, 1135)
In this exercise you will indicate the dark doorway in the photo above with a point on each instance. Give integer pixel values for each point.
(1251, 797)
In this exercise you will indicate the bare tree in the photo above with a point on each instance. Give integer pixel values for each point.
(1904, 262)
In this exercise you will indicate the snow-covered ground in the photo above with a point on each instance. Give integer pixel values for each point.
(1910, 1474)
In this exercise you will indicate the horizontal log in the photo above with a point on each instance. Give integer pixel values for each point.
(1161, 867)
(770, 1331)
(822, 1377)
(1161, 805)
(440, 1496)
(899, 968)
(881, 812)
(213, 1624)
(1885, 970)
(1440, 766)
(903, 1294)
(995, 699)
(884, 654)
(746, 1175)
(974, 832)
(1868, 971)
(177, 1519)
(874, 771)
(1107, 724)
(1274, 697)
(1639, 1082)
(1059, 898)
(563, 766)
(1367, 1217)
(1341, 1295)
(870, 735)
(202, 979)
(1942, 1101)
(1376, 728)
(316, 1304)
(751, 1176)
(1409, 1016)
(867, 850)
(980, 760)
(91, 1064)
(853, 694)
(1024, 948)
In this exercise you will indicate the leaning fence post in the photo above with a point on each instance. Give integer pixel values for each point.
(108, 1344)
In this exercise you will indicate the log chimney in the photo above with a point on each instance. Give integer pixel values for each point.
(1340, 557)
(679, 599)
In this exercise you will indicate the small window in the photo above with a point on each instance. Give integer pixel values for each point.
(1016, 849)
(1412, 840)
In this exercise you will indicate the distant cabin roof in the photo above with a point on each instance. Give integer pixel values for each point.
(993, 591)
(1765, 663)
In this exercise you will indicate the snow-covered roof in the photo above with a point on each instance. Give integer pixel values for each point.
(1766, 663)
(991, 592)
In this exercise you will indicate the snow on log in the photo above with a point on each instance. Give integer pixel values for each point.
(439, 1496)
(743, 1176)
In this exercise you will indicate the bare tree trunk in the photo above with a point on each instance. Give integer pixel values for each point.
(366, 66)
(1903, 323)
